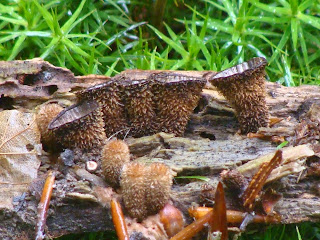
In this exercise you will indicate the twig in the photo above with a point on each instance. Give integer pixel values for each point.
(234, 217)
(193, 228)
(44, 205)
(118, 220)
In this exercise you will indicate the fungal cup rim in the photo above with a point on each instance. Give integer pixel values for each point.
(88, 106)
(242, 69)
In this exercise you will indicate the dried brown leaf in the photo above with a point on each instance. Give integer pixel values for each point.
(19, 147)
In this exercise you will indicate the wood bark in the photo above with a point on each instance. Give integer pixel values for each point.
(212, 143)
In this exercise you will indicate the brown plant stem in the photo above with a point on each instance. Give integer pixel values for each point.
(118, 220)
(233, 217)
(193, 228)
(44, 205)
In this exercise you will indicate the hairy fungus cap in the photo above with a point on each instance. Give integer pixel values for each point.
(158, 186)
(44, 117)
(109, 96)
(133, 190)
(244, 87)
(145, 188)
(80, 126)
(114, 155)
(140, 107)
(175, 97)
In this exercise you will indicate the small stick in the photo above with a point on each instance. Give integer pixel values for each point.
(234, 217)
(118, 220)
(193, 228)
(219, 222)
(44, 205)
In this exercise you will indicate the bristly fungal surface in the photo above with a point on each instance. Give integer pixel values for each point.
(175, 98)
(133, 190)
(80, 126)
(140, 107)
(145, 188)
(143, 106)
(244, 87)
(110, 97)
(158, 186)
(115, 154)
(44, 117)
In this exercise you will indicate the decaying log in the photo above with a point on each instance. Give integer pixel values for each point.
(212, 143)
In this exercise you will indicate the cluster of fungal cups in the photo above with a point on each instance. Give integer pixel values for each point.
(145, 188)
(161, 101)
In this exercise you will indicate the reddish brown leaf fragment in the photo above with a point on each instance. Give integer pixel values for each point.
(274, 138)
(44, 205)
(219, 221)
(118, 220)
(269, 200)
(274, 120)
(259, 179)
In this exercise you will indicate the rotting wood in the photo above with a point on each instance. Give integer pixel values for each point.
(211, 144)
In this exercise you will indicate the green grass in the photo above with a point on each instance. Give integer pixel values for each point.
(108, 36)
(305, 231)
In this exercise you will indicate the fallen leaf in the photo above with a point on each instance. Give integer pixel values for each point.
(19, 149)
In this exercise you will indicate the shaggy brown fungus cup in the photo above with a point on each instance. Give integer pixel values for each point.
(244, 87)
(114, 155)
(80, 126)
(145, 188)
(133, 190)
(140, 107)
(175, 98)
(109, 96)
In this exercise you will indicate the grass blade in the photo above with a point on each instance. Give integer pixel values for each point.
(17, 47)
(66, 28)
(311, 20)
(176, 46)
(294, 32)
